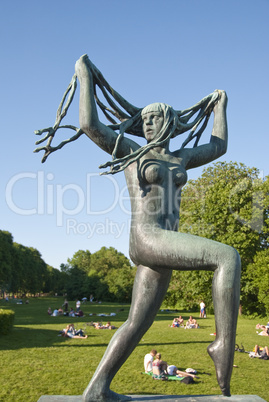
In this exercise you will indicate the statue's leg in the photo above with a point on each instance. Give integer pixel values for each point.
(226, 295)
(149, 289)
(187, 252)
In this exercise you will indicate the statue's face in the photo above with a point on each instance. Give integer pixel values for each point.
(152, 124)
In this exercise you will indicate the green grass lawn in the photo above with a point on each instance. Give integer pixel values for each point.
(36, 361)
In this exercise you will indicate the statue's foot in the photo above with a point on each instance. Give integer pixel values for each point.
(223, 361)
(106, 396)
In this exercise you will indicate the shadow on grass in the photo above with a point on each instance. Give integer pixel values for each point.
(22, 337)
(173, 343)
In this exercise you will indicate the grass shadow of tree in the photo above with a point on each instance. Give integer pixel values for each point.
(23, 337)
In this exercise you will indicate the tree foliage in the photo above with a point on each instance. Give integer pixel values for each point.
(106, 274)
(257, 286)
(229, 204)
(6, 262)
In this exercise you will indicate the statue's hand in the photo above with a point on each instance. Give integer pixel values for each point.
(83, 66)
(222, 100)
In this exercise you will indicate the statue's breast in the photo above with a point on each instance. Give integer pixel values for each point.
(157, 172)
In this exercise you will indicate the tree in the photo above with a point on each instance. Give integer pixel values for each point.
(17, 275)
(106, 259)
(6, 259)
(229, 204)
(115, 272)
(81, 259)
(120, 283)
(257, 286)
(107, 274)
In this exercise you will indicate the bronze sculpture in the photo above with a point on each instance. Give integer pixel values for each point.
(155, 177)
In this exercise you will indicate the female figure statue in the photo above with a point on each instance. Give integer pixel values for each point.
(155, 177)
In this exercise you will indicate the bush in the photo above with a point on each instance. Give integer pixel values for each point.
(6, 321)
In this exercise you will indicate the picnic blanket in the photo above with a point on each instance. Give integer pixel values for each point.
(169, 377)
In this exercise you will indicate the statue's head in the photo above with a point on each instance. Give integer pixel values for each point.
(156, 120)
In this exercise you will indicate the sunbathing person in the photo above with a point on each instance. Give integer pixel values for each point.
(173, 370)
(159, 367)
(192, 323)
(109, 326)
(261, 352)
(71, 332)
(261, 326)
(97, 325)
(180, 320)
(175, 323)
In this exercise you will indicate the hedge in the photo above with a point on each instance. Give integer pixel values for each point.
(6, 321)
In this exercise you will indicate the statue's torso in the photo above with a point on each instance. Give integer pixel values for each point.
(155, 183)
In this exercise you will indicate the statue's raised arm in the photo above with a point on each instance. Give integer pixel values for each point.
(104, 136)
(217, 146)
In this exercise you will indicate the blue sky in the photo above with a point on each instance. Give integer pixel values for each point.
(170, 51)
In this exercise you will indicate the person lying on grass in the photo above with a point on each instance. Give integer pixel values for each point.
(261, 352)
(71, 332)
(98, 325)
(264, 328)
(173, 370)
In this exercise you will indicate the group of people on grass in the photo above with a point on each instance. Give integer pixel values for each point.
(154, 364)
(261, 352)
(179, 322)
(71, 332)
(71, 313)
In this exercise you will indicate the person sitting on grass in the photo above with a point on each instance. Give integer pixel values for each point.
(71, 312)
(175, 323)
(192, 323)
(159, 366)
(148, 360)
(180, 320)
(79, 313)
(49, 311)
(71, 332)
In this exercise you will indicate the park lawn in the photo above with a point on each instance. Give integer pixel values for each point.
(36, 361)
